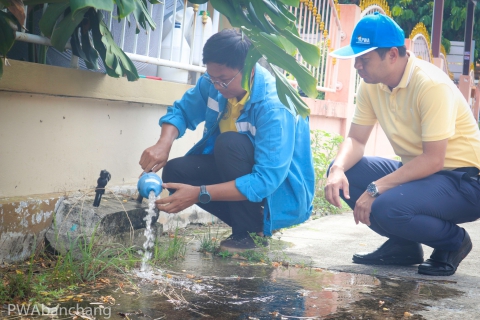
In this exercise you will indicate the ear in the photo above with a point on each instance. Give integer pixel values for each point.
(393, 54)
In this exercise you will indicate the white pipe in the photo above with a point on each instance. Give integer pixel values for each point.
(166, 63)
(32, 38)
(26, 37)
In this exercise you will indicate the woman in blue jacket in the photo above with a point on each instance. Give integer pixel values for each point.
(253, 167)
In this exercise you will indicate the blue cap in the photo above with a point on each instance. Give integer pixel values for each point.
(371, 32)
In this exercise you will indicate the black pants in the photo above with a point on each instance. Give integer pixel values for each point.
(233, 157)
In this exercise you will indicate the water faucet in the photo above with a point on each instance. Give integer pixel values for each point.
(149, 182)
(100, 189)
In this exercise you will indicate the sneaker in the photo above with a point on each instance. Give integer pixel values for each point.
(241, 243)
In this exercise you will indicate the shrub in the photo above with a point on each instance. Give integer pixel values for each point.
(324, 148)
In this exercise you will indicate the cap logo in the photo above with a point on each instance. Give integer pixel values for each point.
(361, 40)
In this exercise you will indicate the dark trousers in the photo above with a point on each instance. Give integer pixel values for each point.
(425, 211)
(233, 157)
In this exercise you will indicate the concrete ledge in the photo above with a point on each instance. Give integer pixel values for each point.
(68, 82)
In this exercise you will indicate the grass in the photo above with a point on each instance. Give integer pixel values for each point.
(210, 243)
(48, 276)
(173, 249)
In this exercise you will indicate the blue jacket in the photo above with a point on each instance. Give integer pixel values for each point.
(283, 171)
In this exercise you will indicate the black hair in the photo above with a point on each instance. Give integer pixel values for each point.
(382, 52)
(227, 47)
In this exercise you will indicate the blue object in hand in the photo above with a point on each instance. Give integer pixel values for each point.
(149, 182)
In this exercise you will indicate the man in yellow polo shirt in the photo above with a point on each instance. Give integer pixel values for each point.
(422, 198)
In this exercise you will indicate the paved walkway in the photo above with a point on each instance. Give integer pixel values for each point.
(330, 242)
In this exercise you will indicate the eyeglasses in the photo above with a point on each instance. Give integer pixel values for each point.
(221, 83)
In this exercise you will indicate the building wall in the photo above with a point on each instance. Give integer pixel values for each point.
(59, 131)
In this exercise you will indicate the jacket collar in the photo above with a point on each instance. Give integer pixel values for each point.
(258, 89)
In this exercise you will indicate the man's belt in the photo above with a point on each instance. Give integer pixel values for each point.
(470, 172)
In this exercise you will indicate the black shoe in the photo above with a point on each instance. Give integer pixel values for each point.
(445, 263)
(241, 243)
(393, 253)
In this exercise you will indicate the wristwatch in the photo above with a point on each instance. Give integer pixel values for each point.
(372, 190)
(204, 196)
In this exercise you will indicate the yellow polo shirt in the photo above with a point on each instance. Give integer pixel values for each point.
(234, 107)
(425, 106)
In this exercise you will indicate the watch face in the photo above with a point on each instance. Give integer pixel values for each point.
(372, 190)
(204, 198)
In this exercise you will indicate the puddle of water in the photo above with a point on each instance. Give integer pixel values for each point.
(202, 286)
(215, 288)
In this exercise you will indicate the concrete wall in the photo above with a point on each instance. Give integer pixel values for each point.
(58, 129)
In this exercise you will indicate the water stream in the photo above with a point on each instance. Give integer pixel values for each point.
(148, 244)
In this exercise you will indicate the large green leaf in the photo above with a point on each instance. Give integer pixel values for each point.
(50, 17)
(289, 96)
(309, 52)
(35, 2)
(252, 57)
(293, 3)
(224, 7)
(64, 29)
(91, 55)
(143, 16)
(115, 60)
(280, 58)
(125, 7)
(76, 5)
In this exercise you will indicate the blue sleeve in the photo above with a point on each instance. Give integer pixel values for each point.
(189, 111)
(274, 146)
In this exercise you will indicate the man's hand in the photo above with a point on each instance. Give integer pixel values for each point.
(363, 208)
(184, 196)
(336, 181)
(154, 158)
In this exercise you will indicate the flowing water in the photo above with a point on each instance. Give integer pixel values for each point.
(148, 244)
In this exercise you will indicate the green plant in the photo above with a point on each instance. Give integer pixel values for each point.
(174, 248)
(225, 254)
(254, 255)
(272, 29)
(324, 148)
(79, 22)
(209, 243)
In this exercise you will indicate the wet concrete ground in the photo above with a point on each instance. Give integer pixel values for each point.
(320, 282)
(206, 287)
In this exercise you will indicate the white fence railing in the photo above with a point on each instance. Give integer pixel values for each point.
(174, 48)
(318, 23)
(160, 52)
